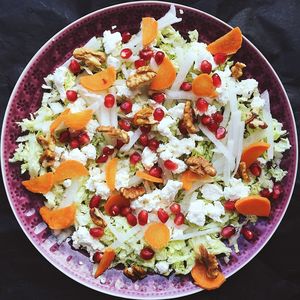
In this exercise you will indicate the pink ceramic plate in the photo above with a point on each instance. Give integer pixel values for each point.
(26, 98)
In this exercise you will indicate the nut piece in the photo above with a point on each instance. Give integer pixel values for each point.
(200, 166)
(97, 220)
(210, 261)
(188, 117)
(242, 172)
(47, 159)
(135, 272)
(92, 59)
(143, 75)
(115, 132)
(237, 70)
(133, 192)
(144, 117)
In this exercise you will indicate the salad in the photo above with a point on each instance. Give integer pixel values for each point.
(153, 151)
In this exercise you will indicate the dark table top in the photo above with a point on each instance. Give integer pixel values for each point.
(273, 26)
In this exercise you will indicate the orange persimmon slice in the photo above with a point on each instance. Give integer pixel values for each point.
(78, 121)
(199, 275)
(254, 205)
(148, 177)
(60, 218)
(188, 178)
(157, 235)
(203, 86)
(149, 30)
(105, 262)
(253, 151)
(55, 124)
(110, 173)
(116, 199)
(165, 76)
(69, 169)
(229, 43)
(42, 184)
(100, 81)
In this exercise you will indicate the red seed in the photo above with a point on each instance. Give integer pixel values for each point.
(108, 150)
(145, 128)
(228, 232)
(205, 120)
(126, 36)
(247, 233)
(205, 66)
(182, 128)
(131, 219)
(153, 144)
(175, 208)
(277, 191)
(119, 144)
(146, 253)
(162, 215)
(74, 143)
(125, 53)
(124, 124)
(143, 217)
(186, 86)
(220, 133)
(179, 219)
(216, 80)
(220, 58)
(125, 211)
(97, 257)
(64, 137)
(158, 97)
(95, 201)
(115, 210)
(265, 193)
(213, 126)
(158, 114)
(135, 158)
(255, 169)
(139, 63)
(146, 54)
(126, 106)
(74, 66)
(229, 205)
(217, 117)
(144, 139)
(202, 105)
(83, 139)
(155, 171)
(109, 100)
(96, 232)
(170, 165)
(159, 57)
(71, 95)
(102, 159)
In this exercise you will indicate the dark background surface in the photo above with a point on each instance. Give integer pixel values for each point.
(273, 26)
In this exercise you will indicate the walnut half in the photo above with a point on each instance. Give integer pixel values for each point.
(135, 272)
(143, 75)
(92, 59)
(210, 261)
(97, 220)
(144, 117)
(133, 192)
(188, 117)
(237, 70)
(242, 172)
(115, 132)
(200, 166)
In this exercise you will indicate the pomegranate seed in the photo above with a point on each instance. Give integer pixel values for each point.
(143, 217)
(126, 36)
(139, 63)
(158, 114)
(220, 58)
(135, 158)
(265, 193)
(115, 210)
(216, 80)
(186, 86)
(71, 95)
(125, 125)
(217, 117)
(155, 171)
(212, 126)
(108, 150)
(175, 208)
(125, 211)
(202, 105)
(247, 233)
(153, 144)
(145, 128)
(179, 219)
(205, 120)
(125, 53)
(205, 66)
(158, 97)
(119, 144)
(146, 54)
(102, 159)
(96, 232)
(75, 134)
(95, 201)
(229, 205)
(97, 257)
(64, 137)
(228, 232)
(126, 107)
(162, 215)
(170, 165)
(159, 57)
(131, 219)
(255, 169)
(146, 253)
(83, 139)
(144, 139)
(109, 100)
(220, 133)
(74, 143)
(277, 191)
(182, 128)
(74, 66)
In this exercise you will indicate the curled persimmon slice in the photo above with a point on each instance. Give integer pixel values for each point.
(253, 151)
(69, 169)
(157, 235)
(78, 121)
(149, 30)
(254, 205)
(203, 86)
(105, 262)
(110, 173)
(118, 200)
(42, 184)
(56, 123)
(149, 177)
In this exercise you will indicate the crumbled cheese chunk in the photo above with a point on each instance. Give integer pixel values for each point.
(96, 183)
(163, 127)
(176, 112)
(215, 210)
(56, 107)
(257, 103)
(122, 176)
(113, 62)
(149, 158)
(236, 189)
(196, 212)
(162, 267)
(89, 151)
(67, 183)
(74, 154)
(211, 191)
(181, 166)
(91, 128)
(111, 40)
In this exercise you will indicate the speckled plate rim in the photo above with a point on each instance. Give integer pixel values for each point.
(52, 40)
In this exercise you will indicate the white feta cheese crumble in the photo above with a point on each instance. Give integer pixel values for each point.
(163, 127)
(170, 190)
(78, 106)
(135, 108)
(111, 40)
(122, 176)
(96, 183)
(91, 128)
(176, 112)
(215, 210)
(56, 107)
(196, 212)
(89, 151)
(67, 183)
(257, 103)
(113, 62)
(181, 166)
(162, 267)
(211, 191)
(74, 154)
(236, 190)
(149, 158)
(246, 87)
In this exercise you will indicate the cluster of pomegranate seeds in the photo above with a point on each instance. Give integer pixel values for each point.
(158, 114)
(74, 66)
(115, 210)
(71, 95)
(229, 205)
(125, 211)
(217, 117)
(102, 159)
(205, 67)
(227, 232)
(95, 201)
(145, 128)
(170, 165)
(153, 144)
(97, 256)
(216, 80)
(109, 100)
(83, 139)
(182, 128)
(175, 208)
(96, 232)
(179, 219)
(106, 152)
(158, 97)
(247, 234)
(134, 158)
(202, 105)
(64, 137)
(124, 124)
(144, 139)
(146, 54)
(143, 217)
(159, 57)
(76, 140)
(126, 106)
(213, 124)
(155, 171)
(126, 36)
(162, 215)
(125, 53)
(220, 58)
(277, 191)
(139, 63)
(146, 253)
(179, 216)
(186, 86)
(131, 219)
(255, 169)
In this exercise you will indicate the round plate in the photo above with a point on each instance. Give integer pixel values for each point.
(26, 98)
